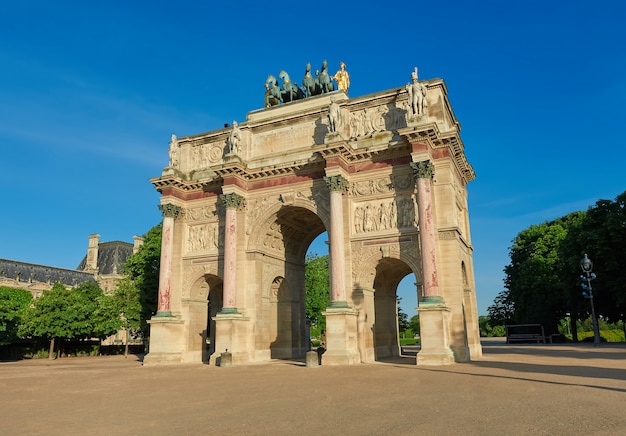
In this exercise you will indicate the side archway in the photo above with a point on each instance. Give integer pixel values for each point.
(375, 298)
(204, 302)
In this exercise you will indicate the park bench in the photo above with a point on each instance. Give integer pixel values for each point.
(525, 333)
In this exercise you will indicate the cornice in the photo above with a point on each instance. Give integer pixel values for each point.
(436, 140)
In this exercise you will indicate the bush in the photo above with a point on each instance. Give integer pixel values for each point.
(605, 336)
(409, 341)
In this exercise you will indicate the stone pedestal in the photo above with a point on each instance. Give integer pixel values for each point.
(435, 349)
(226, 359)
(341, 337)
(165, 344)
(312, 359)
(231, 334)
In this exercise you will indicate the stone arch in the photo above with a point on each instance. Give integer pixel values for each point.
(378, 271)
(204, 302)
(263, 224)
(366, 260)
(281, 237)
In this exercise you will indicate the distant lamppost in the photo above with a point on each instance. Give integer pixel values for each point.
(587, 265)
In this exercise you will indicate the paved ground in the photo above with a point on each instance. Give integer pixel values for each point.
(513, 390)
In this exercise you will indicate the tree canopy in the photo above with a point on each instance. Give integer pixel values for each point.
(142, 269)
(12, 304)
(317, 285)
(542, 280)
(63, 313)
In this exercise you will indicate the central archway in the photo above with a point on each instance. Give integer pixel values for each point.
(283, 238)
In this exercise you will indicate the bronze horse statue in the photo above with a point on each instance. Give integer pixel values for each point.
(321, 84)
(290, 91)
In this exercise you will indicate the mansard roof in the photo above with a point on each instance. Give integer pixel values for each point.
(30, 272)
(111, 257)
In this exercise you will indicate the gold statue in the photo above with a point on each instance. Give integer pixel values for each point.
(342, 78)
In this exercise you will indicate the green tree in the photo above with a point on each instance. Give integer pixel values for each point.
(542, 284)
(535, 289)
(317, 285)
(142, 268)
(128, 302)
(106, 317)
(602, 234)
(414, 324)
(63, 313)
(403, 318)
(12, 303)
(503, 308)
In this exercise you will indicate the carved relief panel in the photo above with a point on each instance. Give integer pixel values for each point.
(205, 155)
(203, 237)
(383, 215)
(203, 230)
(367, 121)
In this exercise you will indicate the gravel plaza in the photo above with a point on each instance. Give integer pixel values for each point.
(513, 390)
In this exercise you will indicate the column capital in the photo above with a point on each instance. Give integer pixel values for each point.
(232, 200)
(170, 210)
(423, 170)
(336, 183)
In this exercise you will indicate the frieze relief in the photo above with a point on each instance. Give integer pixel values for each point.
(382, 215)
(367, 121)
(382, 185)
(273, 239)
(256, 207)
(202, 213)
(205, 155)
(203, 237)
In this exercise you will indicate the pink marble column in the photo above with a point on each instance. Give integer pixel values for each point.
(423, 173)
(336, 185)
(231, 201)
(170, 213)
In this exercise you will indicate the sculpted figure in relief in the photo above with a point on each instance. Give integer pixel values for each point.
(417, 95)
(234, 139)
(334, 116)
(203, 237)
(174, 150)
(385, 215)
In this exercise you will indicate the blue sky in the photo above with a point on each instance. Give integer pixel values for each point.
(90, 93)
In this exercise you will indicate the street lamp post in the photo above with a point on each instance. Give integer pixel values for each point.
(587, 266)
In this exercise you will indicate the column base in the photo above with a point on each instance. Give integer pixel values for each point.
(231, 334)
(166, 341)
(229, 311)
(435, 347)
(432, 300)
(341, 337)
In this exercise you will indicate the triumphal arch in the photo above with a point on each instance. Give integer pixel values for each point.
(384, 174)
